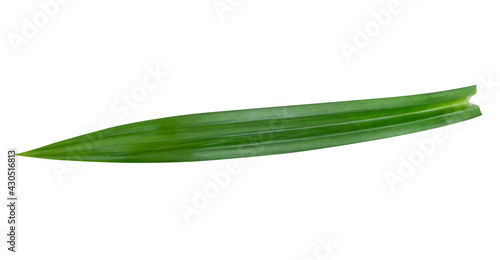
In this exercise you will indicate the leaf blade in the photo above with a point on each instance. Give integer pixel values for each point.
(265, 131)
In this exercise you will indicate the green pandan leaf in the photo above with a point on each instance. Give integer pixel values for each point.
(265, 131)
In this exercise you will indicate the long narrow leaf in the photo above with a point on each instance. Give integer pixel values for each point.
(265, 131)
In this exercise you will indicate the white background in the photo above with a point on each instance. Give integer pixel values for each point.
(64, 80)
